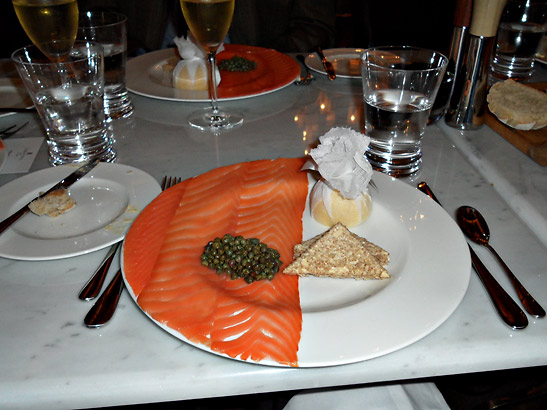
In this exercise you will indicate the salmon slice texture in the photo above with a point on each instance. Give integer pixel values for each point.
(162, 265)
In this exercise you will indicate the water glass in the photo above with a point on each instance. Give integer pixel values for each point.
(109, 30)
(399, 87)
(68, 96)
(521, 29)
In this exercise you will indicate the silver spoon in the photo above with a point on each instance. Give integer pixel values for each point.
(475, 227)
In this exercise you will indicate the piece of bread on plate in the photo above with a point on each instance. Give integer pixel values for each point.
(339, 253)
(53, 204)
(517, 105)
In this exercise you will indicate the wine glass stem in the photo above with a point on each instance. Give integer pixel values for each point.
(211, 64)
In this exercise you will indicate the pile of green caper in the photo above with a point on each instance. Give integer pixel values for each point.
(237, 63)
(239, 257)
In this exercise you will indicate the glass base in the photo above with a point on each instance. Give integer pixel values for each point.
(117, 106)
(214, 120)
(70, 149)
(400, 163)
(504, 67)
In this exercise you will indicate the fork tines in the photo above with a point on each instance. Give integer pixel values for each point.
(168, 182)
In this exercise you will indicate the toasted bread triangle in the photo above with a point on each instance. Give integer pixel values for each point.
(338, 253)
(379, 253)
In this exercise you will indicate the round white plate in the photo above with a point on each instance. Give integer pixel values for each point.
(347, 321)
(346, 62)
(108, 199)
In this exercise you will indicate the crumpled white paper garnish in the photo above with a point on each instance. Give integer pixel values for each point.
(188, 47)
(193, 57)
(340, 159)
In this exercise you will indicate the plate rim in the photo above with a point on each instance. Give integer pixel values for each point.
(462, 279)
(105, 170)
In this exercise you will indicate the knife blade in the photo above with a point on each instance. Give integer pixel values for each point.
(18, 109)
(506, 307)
(64, 183)
(327, 64)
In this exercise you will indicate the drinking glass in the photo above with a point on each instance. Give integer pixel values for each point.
(209, 21)
(109, 30)
(521, 29)
(68, 96)
(50, 24)
(399, 87)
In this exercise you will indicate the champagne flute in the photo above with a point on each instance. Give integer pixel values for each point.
(209, 21)
(51, 25)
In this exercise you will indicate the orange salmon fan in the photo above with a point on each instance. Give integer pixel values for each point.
(263, 199)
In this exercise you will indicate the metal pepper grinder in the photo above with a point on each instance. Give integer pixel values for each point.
(468, 103)
(462, 18)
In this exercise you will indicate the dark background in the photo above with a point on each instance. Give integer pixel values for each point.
(360, 23)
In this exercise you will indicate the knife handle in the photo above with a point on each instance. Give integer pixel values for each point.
(6, 223)
(329, 69)
(508, 310)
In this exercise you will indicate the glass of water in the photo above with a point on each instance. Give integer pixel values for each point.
(521, 29)
(399, 87)
(109, 30)
(68, 96)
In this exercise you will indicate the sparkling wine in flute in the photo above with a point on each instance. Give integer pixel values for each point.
(50, 24)
(209, 21)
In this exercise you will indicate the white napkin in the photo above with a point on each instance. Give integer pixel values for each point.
(193, 57)
(340, 159)
(406, 396)
(19, 154)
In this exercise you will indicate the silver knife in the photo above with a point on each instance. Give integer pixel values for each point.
(64, 183)
(327, 64)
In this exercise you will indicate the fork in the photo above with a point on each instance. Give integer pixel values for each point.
(8, 132)
(104, 308)
(308, 78)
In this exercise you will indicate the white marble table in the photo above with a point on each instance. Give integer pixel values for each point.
(49, 359)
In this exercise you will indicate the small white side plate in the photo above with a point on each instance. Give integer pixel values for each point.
(108, 199)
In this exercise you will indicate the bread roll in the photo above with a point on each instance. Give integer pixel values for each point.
(53, 204)
(517, 105)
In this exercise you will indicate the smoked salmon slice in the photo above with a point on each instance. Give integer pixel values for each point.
(162, 266)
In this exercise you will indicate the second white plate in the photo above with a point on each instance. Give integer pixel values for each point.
(346, 62)
(108, 199)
